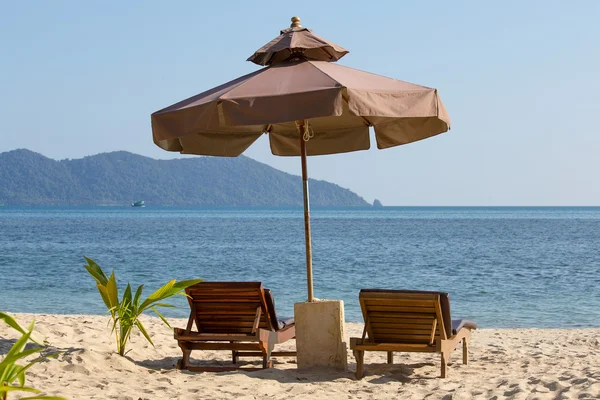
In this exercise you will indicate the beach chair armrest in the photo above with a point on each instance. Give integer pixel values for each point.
(458, 324)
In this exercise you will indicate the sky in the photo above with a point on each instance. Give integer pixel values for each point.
(520, 80)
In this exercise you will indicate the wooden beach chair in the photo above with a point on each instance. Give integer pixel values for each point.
(409, 321)
(235, 316)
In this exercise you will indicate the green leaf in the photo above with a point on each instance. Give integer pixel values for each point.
(160, 294)
(21, 342)
(105, 297)
(4, 389)
(161, 317)
(11, 369)
(143, 330)
(95, 271)
(185, 284)
(126, 307)
(127, 294)
(138, 294)
(112, 290)
(14, 324)
(11, 322)
(164, 305)
(169, 289)
(21, 377)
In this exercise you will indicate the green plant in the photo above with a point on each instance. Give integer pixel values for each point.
(10, 371)
(126, 312)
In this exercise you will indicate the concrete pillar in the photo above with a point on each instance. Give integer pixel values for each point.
(320, 334)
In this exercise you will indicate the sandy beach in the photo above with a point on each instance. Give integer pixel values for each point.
(504, 363)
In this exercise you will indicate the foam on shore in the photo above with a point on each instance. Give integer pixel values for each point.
(504, 363)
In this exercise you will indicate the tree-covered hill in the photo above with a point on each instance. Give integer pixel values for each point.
(117, 178)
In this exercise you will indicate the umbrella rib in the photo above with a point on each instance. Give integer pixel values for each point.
(327, 53)
(366, 121)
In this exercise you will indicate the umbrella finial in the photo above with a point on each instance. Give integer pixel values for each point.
(295, 22)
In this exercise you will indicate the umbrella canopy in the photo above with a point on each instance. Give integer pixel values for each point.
(340, 102)
(308, 106)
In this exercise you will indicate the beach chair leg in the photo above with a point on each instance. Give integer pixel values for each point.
(444, 364)
(267, 362)
(360, 358)
(390, 357)
(465, 351)
(234, 355)
(185, 359)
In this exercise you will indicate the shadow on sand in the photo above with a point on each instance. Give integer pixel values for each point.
(386, 373)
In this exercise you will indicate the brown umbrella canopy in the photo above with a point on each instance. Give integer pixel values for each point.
(340, 102)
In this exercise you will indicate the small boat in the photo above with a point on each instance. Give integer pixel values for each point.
(138, 204)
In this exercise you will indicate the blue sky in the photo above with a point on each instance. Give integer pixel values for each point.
(520, 80)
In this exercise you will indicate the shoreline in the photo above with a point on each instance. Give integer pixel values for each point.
(529, 363)
(347, 322)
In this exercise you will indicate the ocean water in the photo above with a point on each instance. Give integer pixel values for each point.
(503, 267)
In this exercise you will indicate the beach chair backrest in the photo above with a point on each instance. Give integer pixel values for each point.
(404, 316)
(229, 307)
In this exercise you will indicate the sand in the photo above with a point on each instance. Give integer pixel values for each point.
(504, 363)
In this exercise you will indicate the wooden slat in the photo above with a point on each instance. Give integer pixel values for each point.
(402, 327)
(226, 287)
(231, 311)
(391, 338)
(392, 324)
(404, 303)
(401, 319)
(402, 294)
(256, 321)
(400, 309)
(433, 332)
(225, 291)
(227, 323)
(229, 317)
(392, 314)
(378, 335)
(408, 347)
(224, 299)
(222, 346)
(411, 331)
(225, 329)
(224, 294)
(194, 337)
(204, 324)
(228, 284)
(228, 311)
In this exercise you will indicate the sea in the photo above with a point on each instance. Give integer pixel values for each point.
(504, 267)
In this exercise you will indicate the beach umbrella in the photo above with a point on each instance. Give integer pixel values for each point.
(307, 104)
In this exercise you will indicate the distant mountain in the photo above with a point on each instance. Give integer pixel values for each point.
(117, 178)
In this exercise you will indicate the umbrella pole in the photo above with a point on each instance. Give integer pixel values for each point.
(302, 127)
